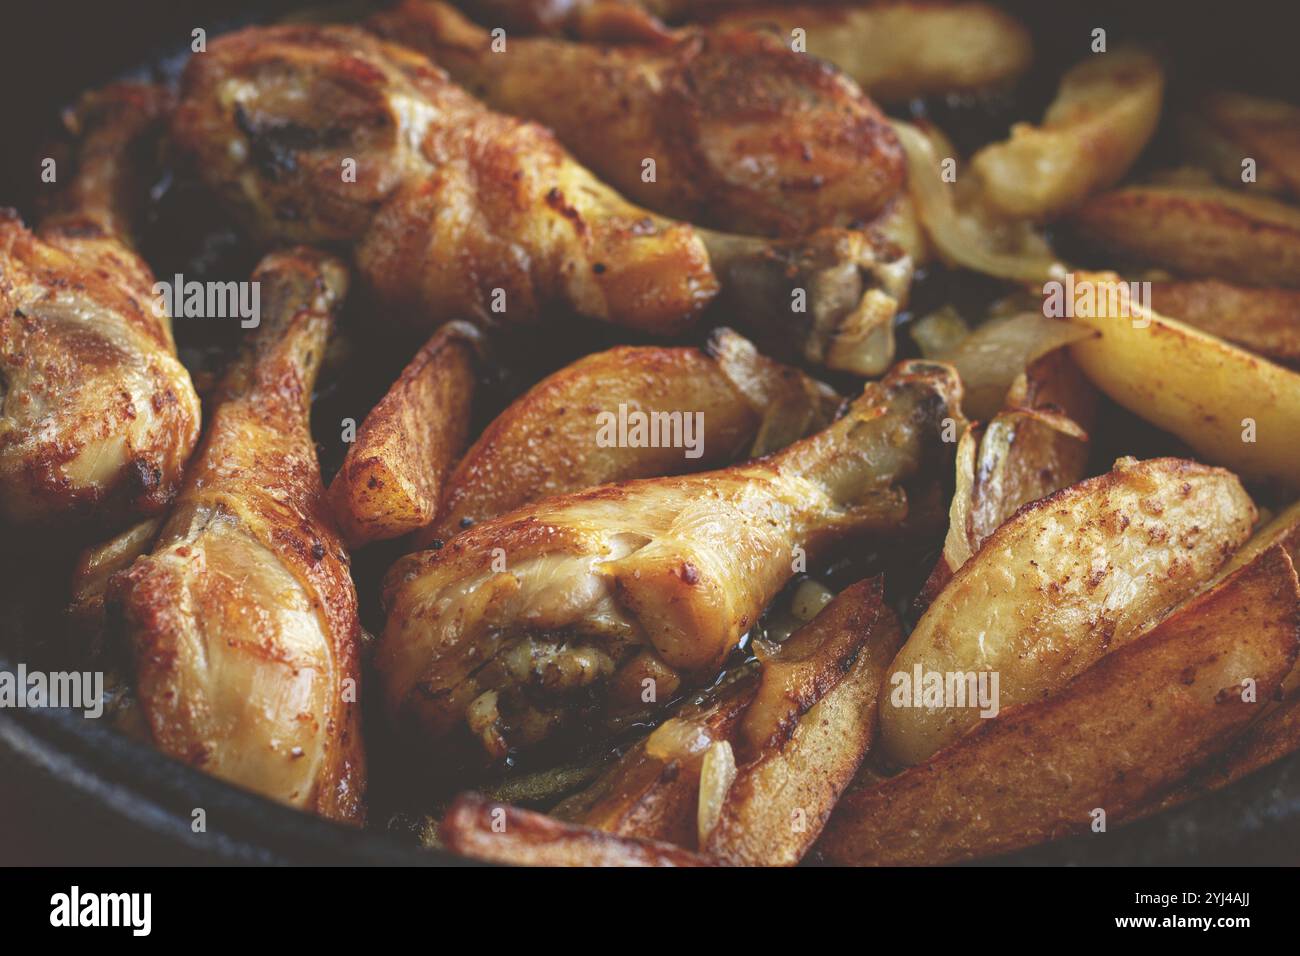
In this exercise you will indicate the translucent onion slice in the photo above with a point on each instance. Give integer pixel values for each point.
(717, 774)
(965, 232)
(991, 357)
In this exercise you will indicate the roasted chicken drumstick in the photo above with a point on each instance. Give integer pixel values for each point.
(743, 133)
(514, 627)
(243, 619)
(97, 415)
(460, 212)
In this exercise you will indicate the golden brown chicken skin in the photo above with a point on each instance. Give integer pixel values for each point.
(97, 415)
(744, 134)
(316, 133)
(722, 400)
(243, 619)
(517, 626)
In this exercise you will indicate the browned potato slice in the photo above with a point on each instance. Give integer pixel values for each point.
(392, 479)
(897, 51)
(780, 799)
(1201, 231)
(1274, 735)
(546, 442)
(1266, 321)
(1234, 408)
(1037, 445)
(1121, 732)
(652, 792)
(1283, 529)
(1227, 128)
(1106, 110)
(750, 772)
(1068, 579)
(499, 833)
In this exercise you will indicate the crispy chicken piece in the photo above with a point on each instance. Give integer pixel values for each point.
(895, 49)
(464, 213)
(745, 134)
(316, 133)
(629, 20)
(515, 627)
(396, 471)
(726, 400)
(830, 297)
(243, 619)
(97, 415)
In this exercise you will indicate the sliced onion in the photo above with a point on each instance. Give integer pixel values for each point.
(991, 357)
(968, 234)
(717, 774)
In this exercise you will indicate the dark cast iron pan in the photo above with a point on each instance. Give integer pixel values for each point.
(76, 791)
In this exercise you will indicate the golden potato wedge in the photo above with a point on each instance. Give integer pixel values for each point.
(1197, 231)
(1276, 731)
(780, 799)
(1234, 408)
(1266, 321)
(1068, 579)
(748, 773)
(546, 442)
(392, 478)
(1037, 445)
(1105, 112)
(652, 792)
(499, 833)
(1121, 732)
(897, 51)
(1284, 529)
(1226, 128)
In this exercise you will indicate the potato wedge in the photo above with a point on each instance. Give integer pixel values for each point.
(1266, 321)
(652, 792)
(392, 478)
(1037, 445)
(499, 833)
(779, 801)
(1226, 128)
(748, 773)
(1197, 231)
(1273, 735)
(546, 443)
(1232, 407)
(1070, 578)
(897, 51)
(1118, 734)
(1105, 112)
